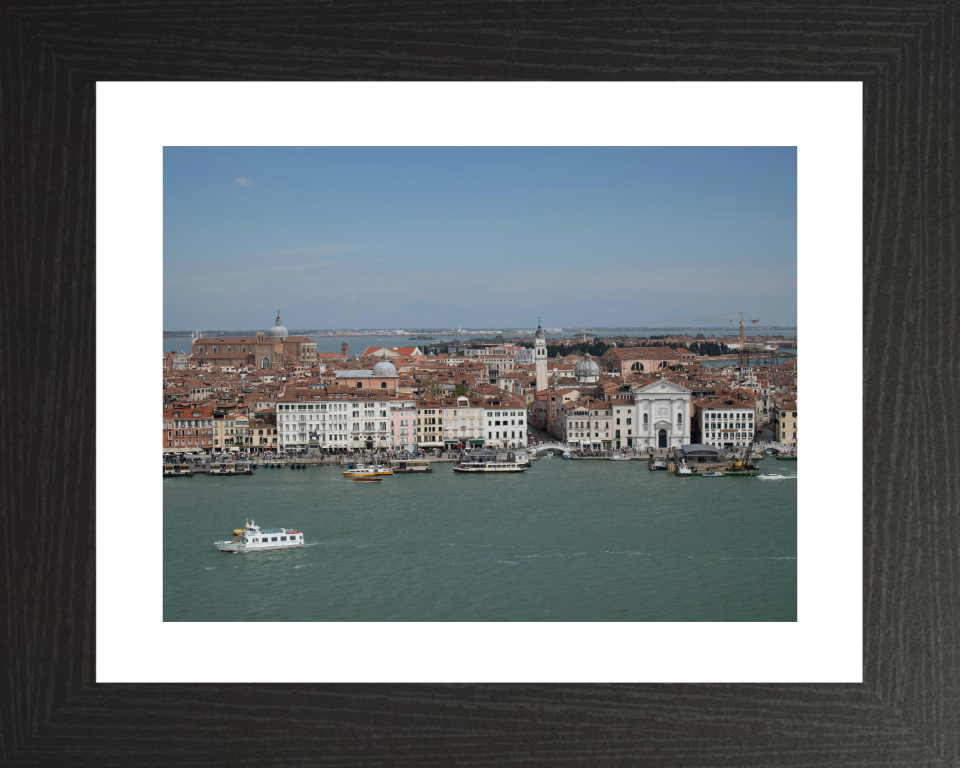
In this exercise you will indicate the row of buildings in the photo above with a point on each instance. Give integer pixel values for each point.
(276, 392)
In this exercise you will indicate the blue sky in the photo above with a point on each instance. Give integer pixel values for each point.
(384, 237)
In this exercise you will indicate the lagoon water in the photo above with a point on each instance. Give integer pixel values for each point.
(564, 541)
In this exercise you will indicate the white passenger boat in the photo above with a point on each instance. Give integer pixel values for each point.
(619, 458)
(490, 461)
(251, 538)
(371, 470)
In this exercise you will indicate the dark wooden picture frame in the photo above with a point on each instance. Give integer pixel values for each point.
(907, 711)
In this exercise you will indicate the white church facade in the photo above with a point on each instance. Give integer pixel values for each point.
(663, 415)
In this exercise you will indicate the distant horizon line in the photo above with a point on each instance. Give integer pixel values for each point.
(448, 331)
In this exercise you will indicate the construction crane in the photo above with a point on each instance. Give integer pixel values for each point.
(722, 320)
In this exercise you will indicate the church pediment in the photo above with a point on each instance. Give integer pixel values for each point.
(663, 387)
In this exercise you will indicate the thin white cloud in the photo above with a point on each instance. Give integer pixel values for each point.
(244, 182)
(313, 251)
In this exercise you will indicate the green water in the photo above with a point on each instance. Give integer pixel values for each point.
(564, 541)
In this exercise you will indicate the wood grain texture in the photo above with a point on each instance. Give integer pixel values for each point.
(907, 711)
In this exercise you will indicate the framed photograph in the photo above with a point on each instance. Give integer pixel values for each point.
(120, 652)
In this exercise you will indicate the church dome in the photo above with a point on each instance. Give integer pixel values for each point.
(278, 331)
(586, 368)
(384, 368)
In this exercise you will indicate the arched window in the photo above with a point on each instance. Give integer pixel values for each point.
(359, 384)
(645, 418)
(383, 385)
(265, 363)
(636, 367)
(679, 418)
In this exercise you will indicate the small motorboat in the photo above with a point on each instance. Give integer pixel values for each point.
(713, 473)
(368, 479)
(619, 458)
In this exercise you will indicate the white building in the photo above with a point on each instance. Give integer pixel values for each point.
(313, 419)
(505, 424)
(524, 356)
(624, 425)
(663, 415)
(726, 423)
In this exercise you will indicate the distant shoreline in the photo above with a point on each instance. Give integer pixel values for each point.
(565, 331)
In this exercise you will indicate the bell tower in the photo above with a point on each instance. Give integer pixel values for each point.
(540, 357)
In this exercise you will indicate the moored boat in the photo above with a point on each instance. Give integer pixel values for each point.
(224, 468)
(619, 458)
(368, 479)
(792, 456)
(177, 470)
(409, 466)
(251, 538)
(490, 461)
(685, 470)
(713, 473)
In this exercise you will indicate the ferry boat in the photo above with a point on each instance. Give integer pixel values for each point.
(229, 468)
(251, 538)
(371, 470)
(177, 470)
(405, 466)
(490, 461)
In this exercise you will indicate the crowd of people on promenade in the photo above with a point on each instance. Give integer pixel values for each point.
(458, 453)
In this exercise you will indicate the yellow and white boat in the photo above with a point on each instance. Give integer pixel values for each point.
(371, 470)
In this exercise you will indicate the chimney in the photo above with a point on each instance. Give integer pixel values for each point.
(343, 349)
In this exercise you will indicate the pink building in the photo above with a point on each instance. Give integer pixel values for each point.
(403, 429)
